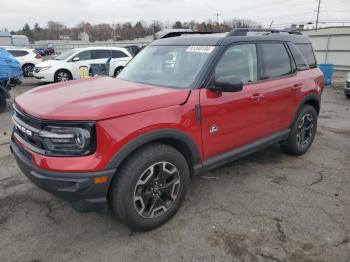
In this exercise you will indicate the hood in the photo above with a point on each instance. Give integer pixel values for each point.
(50, 63)
(96, 99)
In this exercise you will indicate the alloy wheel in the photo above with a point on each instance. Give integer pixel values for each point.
(305, 131)
(63, 77)
(156, 190)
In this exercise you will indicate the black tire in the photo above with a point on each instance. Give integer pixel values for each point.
(126, 192)
(347, 95)
(302, 132)
(62, 75)
(117, 71)
(2, 103)
(28, 70)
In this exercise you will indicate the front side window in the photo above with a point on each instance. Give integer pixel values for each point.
(101, 54)
(276, 61)
(240, 61)
(169, 66)
(66, 55)
(84, 55)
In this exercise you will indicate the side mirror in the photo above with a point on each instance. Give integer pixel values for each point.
(227, 84)
(75, 59)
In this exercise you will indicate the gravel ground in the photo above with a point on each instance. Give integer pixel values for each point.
(265, 207)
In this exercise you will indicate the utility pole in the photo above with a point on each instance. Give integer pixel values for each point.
(217, 18)
(318, 13)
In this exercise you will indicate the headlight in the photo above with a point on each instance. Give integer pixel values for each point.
(45, 68)
(66, 140)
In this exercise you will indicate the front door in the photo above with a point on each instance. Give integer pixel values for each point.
(231, 120)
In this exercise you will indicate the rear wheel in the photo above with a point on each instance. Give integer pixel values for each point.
(2, 103)
(28, 70)
(150, 187)
(302, 132)
(63, 76)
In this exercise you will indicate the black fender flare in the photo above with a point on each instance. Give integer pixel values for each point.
(4, 91)
(166, 133)
(310, 97)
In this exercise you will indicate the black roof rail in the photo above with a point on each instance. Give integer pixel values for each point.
(174, 34)
(267, 31)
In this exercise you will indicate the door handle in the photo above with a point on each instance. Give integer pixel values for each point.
(257, 97)
(297, 86)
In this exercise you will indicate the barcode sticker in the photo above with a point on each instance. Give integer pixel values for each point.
(200, 49)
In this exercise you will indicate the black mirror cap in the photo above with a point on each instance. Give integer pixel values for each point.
(227, 84)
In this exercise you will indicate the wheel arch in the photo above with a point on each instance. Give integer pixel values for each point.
(27, 64)
(313, 100)
(172, 137)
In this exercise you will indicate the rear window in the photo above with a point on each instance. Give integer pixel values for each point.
(18, 53)
(118, 54)
(276, 61)
(308, 53)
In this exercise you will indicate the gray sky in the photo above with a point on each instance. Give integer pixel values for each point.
(13, 14)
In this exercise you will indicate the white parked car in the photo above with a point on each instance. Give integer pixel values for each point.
(67, 65)
(28, 58)
(347, 86)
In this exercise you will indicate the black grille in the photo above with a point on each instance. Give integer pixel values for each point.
(32, 122)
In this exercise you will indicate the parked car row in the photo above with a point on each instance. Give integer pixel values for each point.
(27, 58)
(67, 66)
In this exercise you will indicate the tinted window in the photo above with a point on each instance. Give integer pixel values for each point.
(85, 55)
(299, 59)
(118, 54)
(18, 53)
(276, 61)
(99, 54)
(240, 61)
(308, 53)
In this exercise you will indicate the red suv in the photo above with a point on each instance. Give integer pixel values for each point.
(182, 106)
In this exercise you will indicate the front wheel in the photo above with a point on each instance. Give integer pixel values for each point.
(302, 132)
(28, 70)
(117, 71)
(150, 187)
(62, 76)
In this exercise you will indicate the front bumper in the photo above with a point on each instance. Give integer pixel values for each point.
(77, 188)
(45, 76)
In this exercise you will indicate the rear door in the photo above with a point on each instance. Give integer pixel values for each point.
(281, 82)
(230, 120)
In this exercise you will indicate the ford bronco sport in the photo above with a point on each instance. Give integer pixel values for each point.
(182, 106)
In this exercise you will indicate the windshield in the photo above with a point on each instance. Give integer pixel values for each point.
(65, 55)
(170, 66)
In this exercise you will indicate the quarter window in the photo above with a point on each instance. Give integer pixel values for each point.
(276, 61)
(240, 61)
(299, 59)
(308, 53)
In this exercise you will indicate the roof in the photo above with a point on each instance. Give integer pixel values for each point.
(227, 39)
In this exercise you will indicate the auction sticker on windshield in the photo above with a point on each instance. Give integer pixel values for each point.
(200, 49)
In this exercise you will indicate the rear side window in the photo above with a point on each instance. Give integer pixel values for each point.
(275, 59)
(100, 54)
(18, 53)
(308, 53)
(118, 54)
(299, 59)
(240, 61)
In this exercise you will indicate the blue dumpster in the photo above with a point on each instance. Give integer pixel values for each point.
(327, 70)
